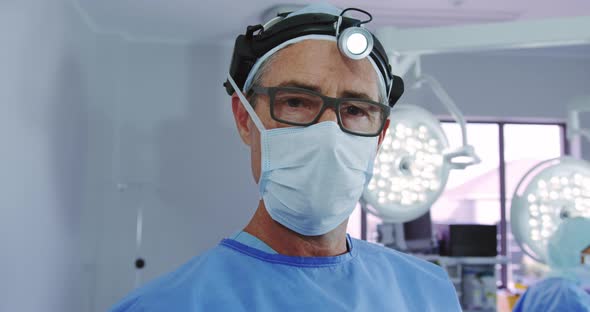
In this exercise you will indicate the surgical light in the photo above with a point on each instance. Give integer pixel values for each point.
(409, 172)
(414, 162)
(550, 192)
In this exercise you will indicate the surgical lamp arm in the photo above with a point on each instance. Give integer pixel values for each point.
(466, 150)
(446, 100)
(580, 105)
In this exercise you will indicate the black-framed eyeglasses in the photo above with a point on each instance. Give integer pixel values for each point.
(302, 107)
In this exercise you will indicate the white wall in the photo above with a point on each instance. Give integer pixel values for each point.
(488, 84)
(42, 157)
(526, 86)
(161, 122)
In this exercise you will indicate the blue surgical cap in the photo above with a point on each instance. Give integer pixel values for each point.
(568, 242)
(322, 7)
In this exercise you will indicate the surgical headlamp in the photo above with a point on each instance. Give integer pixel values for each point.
(353, 40)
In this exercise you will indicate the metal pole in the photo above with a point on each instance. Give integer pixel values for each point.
(363, 221)
(503, 228)
(565, 143)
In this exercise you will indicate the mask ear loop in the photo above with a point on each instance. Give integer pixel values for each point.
(246, 105)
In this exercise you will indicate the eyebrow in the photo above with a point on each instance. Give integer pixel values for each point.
(310, 87)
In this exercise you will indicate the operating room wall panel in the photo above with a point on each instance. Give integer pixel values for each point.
(43, 157)
(165, 145)
(508, 87)
(504, 86)
(103, 221)
(203, 173)
(583, 143)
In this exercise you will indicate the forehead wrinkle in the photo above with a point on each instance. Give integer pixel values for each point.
(295, 59)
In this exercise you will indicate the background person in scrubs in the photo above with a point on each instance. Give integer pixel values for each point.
(566, 288)
(313, 119)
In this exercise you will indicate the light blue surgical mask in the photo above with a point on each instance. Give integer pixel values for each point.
(311, 177)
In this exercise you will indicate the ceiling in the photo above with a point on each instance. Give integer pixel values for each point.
(198, 20)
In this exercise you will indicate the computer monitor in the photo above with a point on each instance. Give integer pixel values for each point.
(414, 236)
(473, 240)
(418, 234)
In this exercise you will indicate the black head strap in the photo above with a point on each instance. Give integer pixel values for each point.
(257, 41)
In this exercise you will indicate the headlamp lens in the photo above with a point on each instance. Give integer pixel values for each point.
(357, 43)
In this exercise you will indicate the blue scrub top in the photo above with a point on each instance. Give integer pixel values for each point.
(554, 295)
(235, 277)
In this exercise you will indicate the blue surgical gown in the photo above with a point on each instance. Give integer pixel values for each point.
(552, 295)
(235, 277)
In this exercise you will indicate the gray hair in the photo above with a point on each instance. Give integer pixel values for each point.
(257, 80)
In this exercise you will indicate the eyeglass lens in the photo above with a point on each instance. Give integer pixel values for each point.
(300, 107)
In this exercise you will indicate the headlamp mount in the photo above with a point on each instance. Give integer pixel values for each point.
(258, 40)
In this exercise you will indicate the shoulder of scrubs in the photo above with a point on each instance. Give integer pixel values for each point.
(169, 292)
(553, 295)
(415, 272)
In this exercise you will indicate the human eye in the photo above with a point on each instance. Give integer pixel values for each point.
(356, 110)
(295, 101)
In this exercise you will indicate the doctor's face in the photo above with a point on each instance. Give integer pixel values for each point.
(315, 65)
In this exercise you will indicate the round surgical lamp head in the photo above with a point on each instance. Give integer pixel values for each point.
(549, 193)
(355, 42)
(410, 171)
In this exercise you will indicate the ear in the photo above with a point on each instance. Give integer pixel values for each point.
(242, 118)
(383, 132)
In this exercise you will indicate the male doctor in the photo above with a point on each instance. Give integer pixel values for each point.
(311, 93)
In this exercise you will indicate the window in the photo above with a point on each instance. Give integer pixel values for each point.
(472, 195)
(475, 195)
(524, 147)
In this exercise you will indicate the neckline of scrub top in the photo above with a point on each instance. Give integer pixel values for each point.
(252, 241)
(291, 260)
